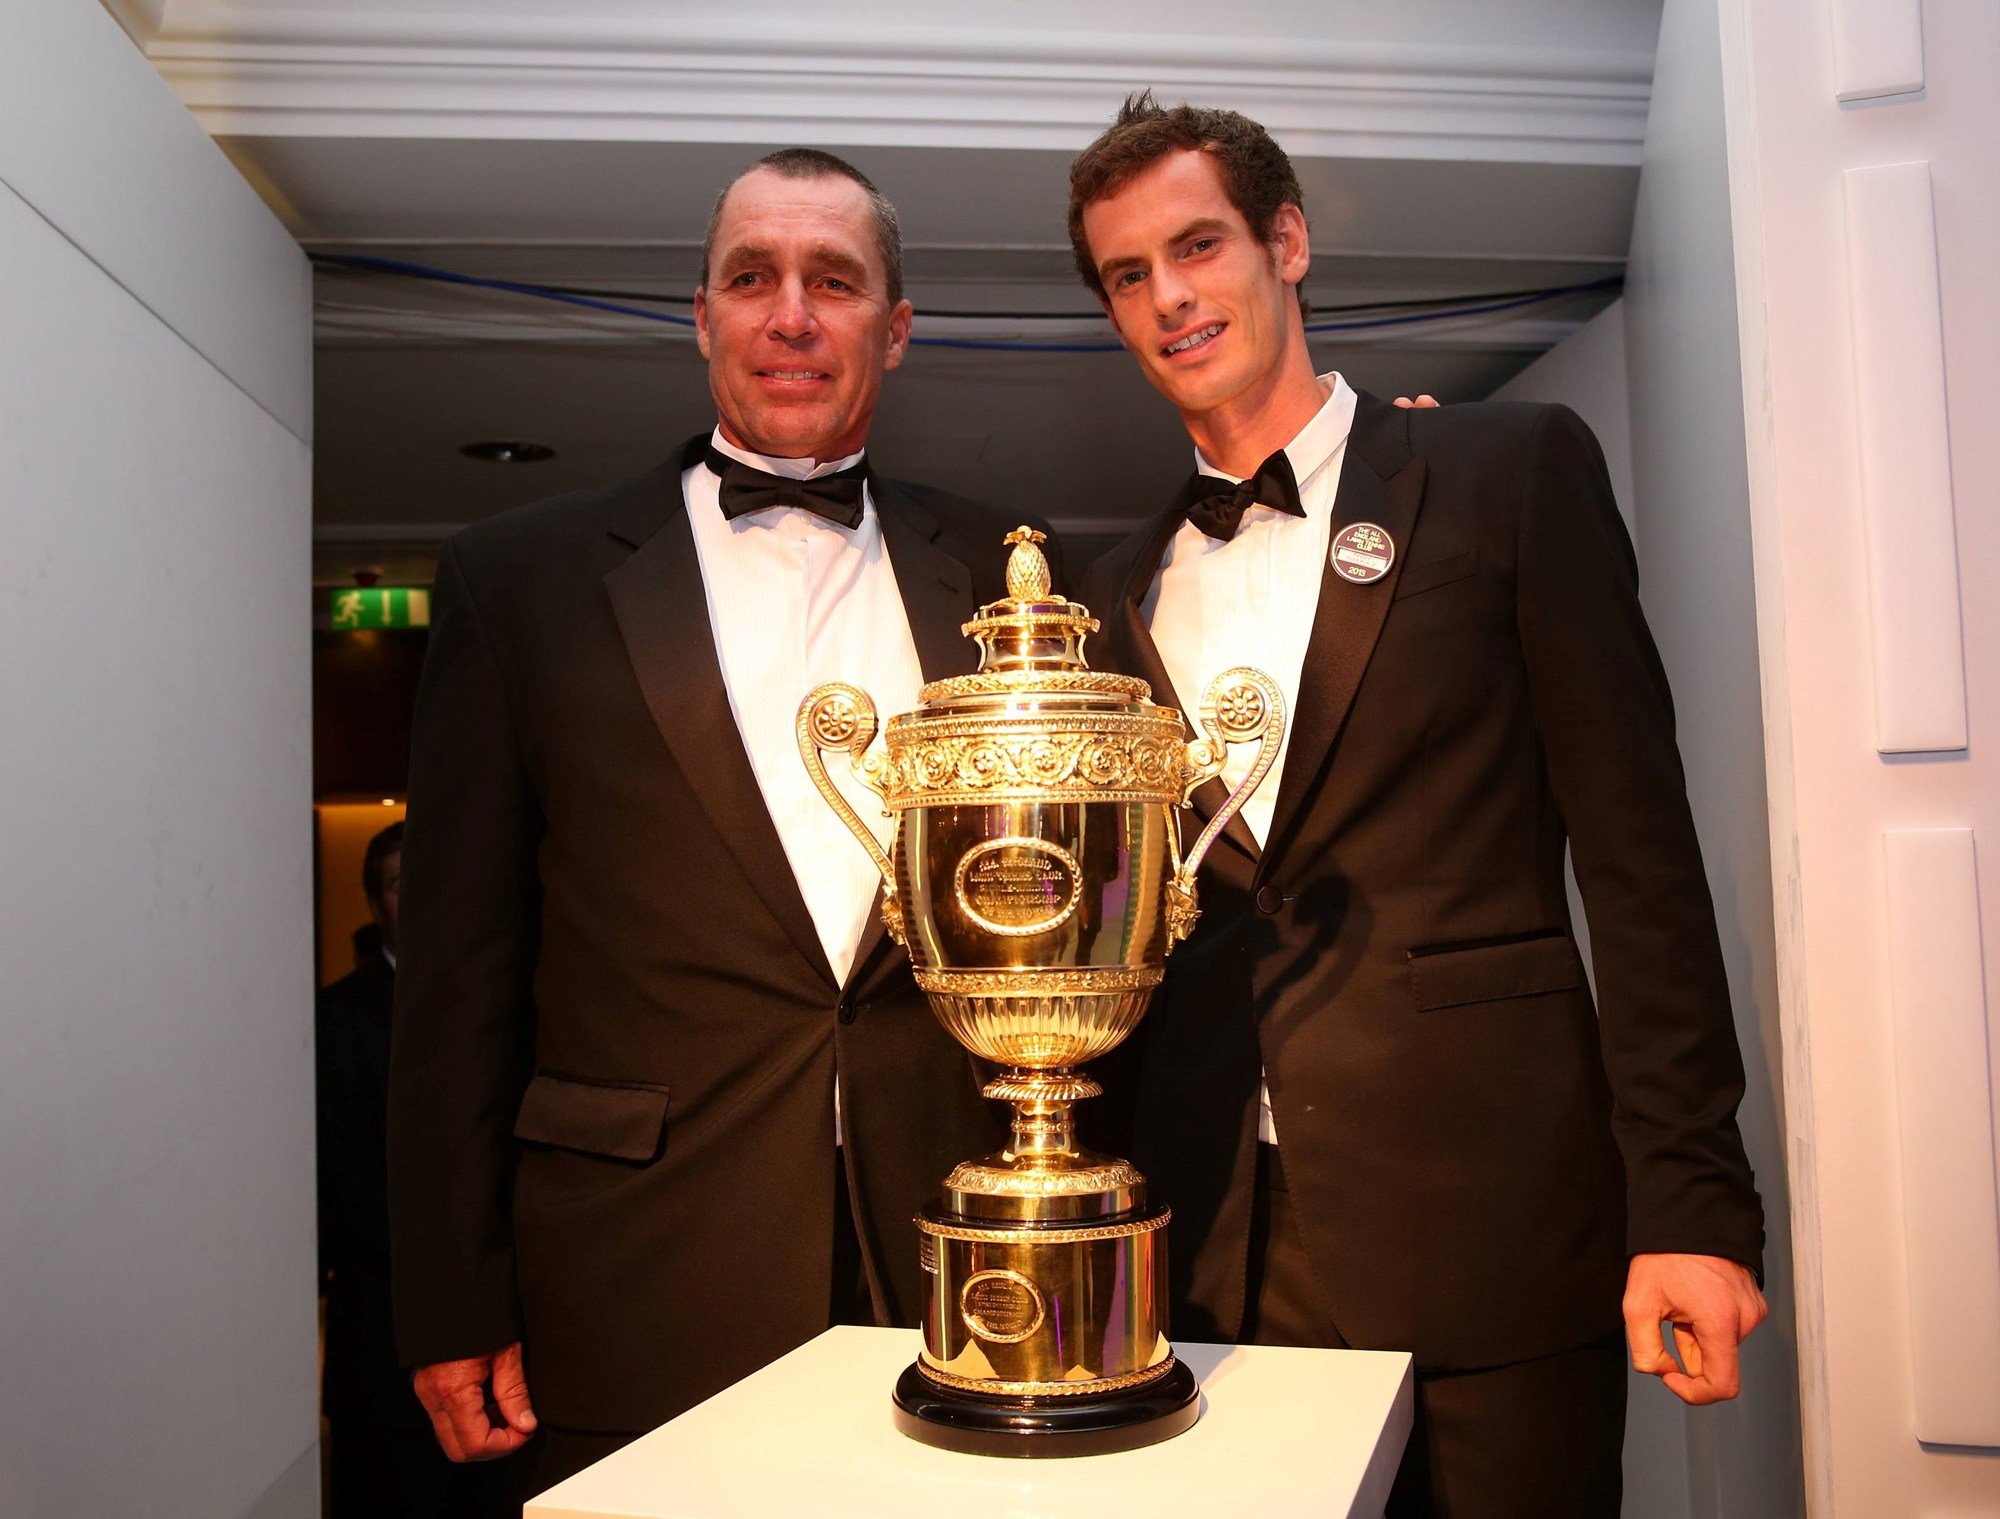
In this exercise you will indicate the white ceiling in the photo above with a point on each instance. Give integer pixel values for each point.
(1444, 147)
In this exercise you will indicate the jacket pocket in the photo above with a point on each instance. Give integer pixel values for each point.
(1448, 975)
(622, 1120)
(1419, 578)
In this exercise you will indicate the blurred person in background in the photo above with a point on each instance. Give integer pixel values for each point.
(383, 1462)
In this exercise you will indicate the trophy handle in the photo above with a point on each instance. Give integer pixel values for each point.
(1239, 707)
(840, 716)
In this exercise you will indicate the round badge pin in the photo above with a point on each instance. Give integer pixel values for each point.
(1362, 553)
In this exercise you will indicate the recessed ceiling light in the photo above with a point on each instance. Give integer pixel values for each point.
(508, 452)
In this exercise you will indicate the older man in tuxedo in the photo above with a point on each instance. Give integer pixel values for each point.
(664, 1097)
(1374, 1087)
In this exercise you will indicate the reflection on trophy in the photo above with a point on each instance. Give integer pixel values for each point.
(1037, 880)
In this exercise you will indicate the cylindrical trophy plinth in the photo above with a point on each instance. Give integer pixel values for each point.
(1045, 1341)
(1034, 1312)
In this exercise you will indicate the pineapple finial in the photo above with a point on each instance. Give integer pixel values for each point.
(1027, 570)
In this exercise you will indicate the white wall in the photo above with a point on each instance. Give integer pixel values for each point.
(156, 1269)
(1809, 324)
(1696, 580)
(1893, 1198)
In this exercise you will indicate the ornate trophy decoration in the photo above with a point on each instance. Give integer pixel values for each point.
(1037, 880)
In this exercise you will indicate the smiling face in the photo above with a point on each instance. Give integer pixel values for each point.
(1208, 309)
(795, 318)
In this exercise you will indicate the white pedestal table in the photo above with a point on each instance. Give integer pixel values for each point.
(1282, 1433)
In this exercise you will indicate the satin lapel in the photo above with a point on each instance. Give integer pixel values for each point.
(661, 607)
(1132, 641)
(1141, 656)
(936, 588)
(1381, 482)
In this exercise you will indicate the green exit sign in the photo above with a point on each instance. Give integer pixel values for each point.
(379, 606)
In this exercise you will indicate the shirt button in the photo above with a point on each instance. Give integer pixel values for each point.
(1269, 900)
(847, 1011)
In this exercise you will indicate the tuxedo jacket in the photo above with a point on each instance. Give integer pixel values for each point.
(611, 1125)
(1473, 1149)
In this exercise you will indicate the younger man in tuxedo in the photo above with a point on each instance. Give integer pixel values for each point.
(1374, 1087)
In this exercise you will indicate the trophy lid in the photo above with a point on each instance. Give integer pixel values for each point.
(1030, 628)
(1030, 644)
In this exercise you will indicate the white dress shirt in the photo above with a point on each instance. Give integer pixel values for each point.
(795, 600)
(1251, 600)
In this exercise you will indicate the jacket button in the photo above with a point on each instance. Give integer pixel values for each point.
(1269, 900)
(847, 1010)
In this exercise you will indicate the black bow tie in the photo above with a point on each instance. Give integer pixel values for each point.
(1216, 506)
(745, 488)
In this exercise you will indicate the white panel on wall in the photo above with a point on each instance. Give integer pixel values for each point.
(97, 144)
(1905, 459)
(1878, 48)
(156, 1085)
(1945, 1118)
(156, 1028)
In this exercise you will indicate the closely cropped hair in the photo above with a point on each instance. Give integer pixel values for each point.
(811, 163)
(389, 841)
(1256, 172)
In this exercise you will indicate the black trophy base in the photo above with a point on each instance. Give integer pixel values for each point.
(1085, 1425)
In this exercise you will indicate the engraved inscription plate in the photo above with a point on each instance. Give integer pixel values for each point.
(1018, 886)
(1001, 1306)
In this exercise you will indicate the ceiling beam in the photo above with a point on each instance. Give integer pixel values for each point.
(258, 70)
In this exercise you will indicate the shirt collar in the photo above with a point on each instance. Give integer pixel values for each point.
(789, 469)
(1315, 443)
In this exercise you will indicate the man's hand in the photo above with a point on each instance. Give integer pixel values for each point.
(1712, 1303)
(1422, 403)
(479, 1407)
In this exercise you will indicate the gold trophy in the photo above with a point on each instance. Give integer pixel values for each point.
(1037, 880)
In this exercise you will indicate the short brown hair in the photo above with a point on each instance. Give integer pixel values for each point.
(375, 863)
(813, 163)
(1256, 173)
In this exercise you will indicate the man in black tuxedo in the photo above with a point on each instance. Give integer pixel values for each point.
(665, 1097)
(1374, 1087)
